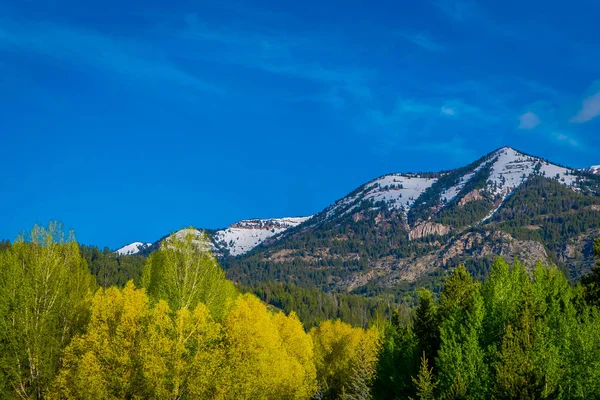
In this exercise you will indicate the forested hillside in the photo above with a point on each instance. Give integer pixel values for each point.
(400, 232)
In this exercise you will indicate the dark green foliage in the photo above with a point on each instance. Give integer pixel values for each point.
(110, 268)
(517, 335)
(4, 244)
(398, 361)
(591, 281)
(426, 325)
(314, 306)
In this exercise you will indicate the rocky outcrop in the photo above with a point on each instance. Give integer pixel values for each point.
(469, 197)
(428, 229)
(498, 243)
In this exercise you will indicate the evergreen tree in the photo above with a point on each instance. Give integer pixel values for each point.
(502, 293)
(462, 369)
(398, 361)
(426, 325)
(591, 281)
(425, 382)
(517, 376)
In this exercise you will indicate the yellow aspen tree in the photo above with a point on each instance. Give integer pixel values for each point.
(339, 350)
(256, 362)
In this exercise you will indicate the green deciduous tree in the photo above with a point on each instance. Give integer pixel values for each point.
(45, 288)
(184, 273)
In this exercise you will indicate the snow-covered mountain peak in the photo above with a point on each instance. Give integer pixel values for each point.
(511, 168)
(132, 248)
(243, 236)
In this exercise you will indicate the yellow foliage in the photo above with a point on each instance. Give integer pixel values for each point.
(135, 350)
(259, 362)
(131, 349)
(339, 350)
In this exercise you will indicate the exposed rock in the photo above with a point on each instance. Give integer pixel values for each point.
(428, 229)
(478, 245)
(359, 216)
(471, 196)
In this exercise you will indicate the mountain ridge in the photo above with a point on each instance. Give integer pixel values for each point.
(400, 191)
(405, 229)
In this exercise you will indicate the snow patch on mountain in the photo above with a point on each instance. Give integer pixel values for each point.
(132, 248)
(398, 191)
(450, 193)
(243, 236)
(512, 168)
(594, 169)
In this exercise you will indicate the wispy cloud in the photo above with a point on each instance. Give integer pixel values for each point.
(565, 139)
(455, 147)
(459, 10)
(529, 120)
(423, 41)
(467, 11)
(448, 110)
(458, 108)
(590, 109)
(299, 57)
(92, 49)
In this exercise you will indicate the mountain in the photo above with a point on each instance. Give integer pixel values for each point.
(403, 230)
(234, 240)
(133, 248)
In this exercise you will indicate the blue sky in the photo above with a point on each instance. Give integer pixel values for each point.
(128, 120)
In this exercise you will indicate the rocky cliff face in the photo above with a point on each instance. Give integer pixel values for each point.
(428, 229)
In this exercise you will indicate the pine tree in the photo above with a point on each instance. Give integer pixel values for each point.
(591, 281)
(398, 361)
(517, 375)
(425, 383)
(426, 326)
(461, 363)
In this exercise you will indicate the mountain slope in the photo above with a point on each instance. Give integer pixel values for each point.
(399, 229)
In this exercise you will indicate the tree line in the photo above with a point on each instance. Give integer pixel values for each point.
(184, 331)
